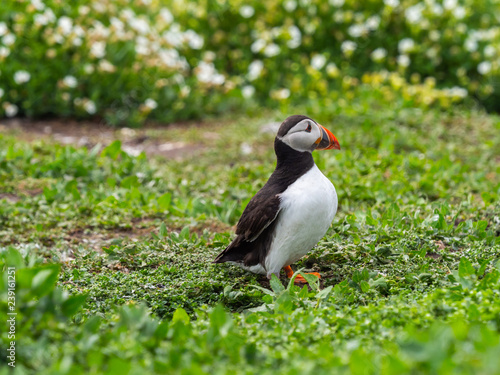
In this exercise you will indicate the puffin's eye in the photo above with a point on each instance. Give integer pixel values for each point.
(308, 127)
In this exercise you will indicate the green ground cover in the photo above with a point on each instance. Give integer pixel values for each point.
(113, 252)
(130, 61)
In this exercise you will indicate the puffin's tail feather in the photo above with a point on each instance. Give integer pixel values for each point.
(235, 252)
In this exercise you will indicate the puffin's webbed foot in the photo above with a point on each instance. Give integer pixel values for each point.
(299, 279)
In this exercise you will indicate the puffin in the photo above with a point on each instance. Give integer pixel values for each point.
(293, 210)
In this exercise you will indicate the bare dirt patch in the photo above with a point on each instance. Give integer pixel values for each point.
(152, 140)
(13, 198)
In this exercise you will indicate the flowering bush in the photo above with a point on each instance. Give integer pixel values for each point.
(128, 61)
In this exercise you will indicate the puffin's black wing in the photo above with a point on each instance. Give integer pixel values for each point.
(260, 212)
(253, 230)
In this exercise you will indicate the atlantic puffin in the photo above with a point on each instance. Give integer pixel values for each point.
(293, 210)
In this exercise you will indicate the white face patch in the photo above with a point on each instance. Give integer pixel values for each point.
(303, 136)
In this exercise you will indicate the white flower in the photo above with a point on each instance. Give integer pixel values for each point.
(151, 103)
(471, 44)
(489, 51)
(98, 49)
(432, 53)
(271, 50)
(406, 45)
(336, 3)
(38, 4)
(484, 67)
(348, 47)
(255, 69)
(9, 39)
(338, 16)
(44, 18)
(437, 9)
(206, 73)
(296, 36)
(166, 15)
(209, 56)
(21, 76)
(169, 57)
(414, 14)
(83, 10)
(379, 54)
(140, 25)
(106, 66)
(281, 94)
(78, 31)
(4, 52)
(142, 45)
(449, 4)
(318, 61)
(391, 3)
(3, 28)
(373, 23)
(247, 11)
(65, 24)
(332, 70)
(246, 149)
(403, 60)
(185, 90)
(310, 28)
(356, 30)
(459, 12)
(195, 41)
(173, 36)
(88, 68)
(247, 91)
(458, 92)
(290, 5)
(90, 107)
(70, 81)
(10, 109)
(434, 35)
(258, 45)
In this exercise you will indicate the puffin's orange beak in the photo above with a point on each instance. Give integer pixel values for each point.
(327, 141)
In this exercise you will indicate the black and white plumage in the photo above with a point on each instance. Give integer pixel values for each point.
(293, 210)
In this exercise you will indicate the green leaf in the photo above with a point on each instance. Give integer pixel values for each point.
(45, 279)
(276, 284)
(72, 188)
(13, 258)
(73, 304)
(129, 182)
(164, 201)
(163, 230)
(112, 150)
(50, 194)
(184, 234)
(325, 293)
(180, 315)
(312, 280)
(365, 287)
(118, 366)
(465, 268)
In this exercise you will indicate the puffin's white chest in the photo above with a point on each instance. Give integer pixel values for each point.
(308, 208)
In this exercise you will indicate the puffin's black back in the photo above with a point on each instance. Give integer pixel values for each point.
(255, 227)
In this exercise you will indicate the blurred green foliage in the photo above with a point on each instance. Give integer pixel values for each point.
(129, 61)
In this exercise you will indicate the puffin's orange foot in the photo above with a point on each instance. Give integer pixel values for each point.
(299, 279)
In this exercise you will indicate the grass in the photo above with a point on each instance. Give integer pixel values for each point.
(409, 268)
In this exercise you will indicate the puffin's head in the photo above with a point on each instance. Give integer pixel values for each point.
(304, 134)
